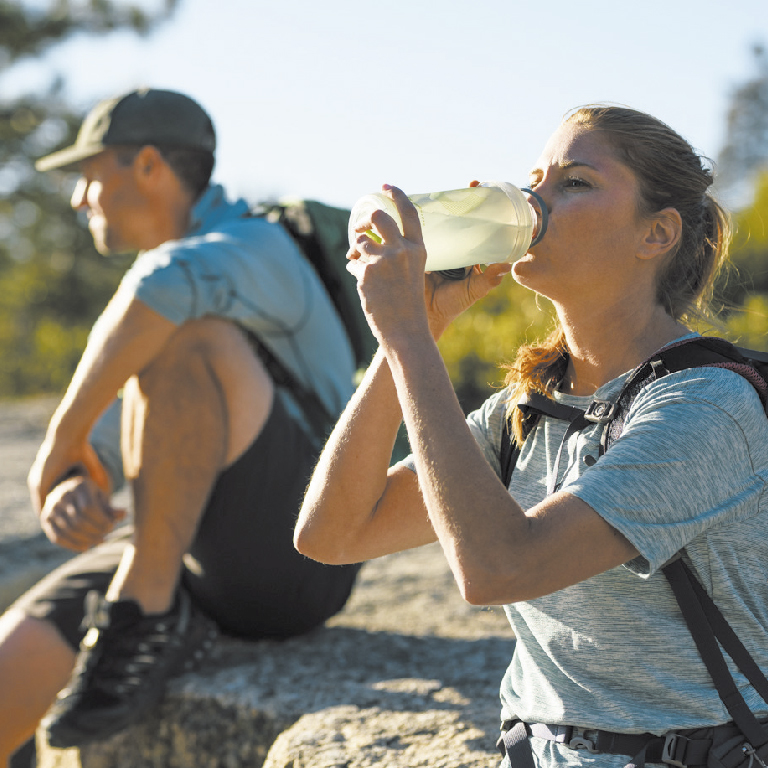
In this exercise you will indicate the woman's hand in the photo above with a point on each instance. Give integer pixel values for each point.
(396, 294)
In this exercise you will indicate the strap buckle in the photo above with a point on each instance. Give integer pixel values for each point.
(580, 740)
(674, 749)
(600, 411)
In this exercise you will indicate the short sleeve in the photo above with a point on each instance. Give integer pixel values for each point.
(682, 465)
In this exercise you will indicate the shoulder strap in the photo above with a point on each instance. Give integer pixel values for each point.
(707, 625)
(535, 405)
(317, 415)
(692, 353)
(699, 352)
(320, 231)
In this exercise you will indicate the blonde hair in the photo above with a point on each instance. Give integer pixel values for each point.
(669, 173)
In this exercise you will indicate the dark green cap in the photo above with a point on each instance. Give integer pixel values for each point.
(148, 116)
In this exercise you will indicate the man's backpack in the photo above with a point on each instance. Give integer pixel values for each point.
(320, 231)
(709, 628)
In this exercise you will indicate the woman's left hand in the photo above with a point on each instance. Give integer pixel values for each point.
(396, 294)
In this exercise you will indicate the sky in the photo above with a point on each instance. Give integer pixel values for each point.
(328, 99)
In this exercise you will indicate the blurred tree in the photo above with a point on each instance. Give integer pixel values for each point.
(52, 282)
(745, 149)
(746, 290)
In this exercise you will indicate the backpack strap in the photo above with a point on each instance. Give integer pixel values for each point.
(319, 419)
(700, 352)
(707, 625)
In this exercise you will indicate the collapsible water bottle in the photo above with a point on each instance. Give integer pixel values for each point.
(488, 224)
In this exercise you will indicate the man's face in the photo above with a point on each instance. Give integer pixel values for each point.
(108, 192)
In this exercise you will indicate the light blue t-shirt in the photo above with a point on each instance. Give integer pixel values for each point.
(613, 652)
(248, 270)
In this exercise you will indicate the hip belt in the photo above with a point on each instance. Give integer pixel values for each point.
(683, 749)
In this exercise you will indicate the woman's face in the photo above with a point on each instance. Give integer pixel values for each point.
(595, 229)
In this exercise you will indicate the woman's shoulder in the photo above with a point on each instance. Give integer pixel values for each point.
(717, 405)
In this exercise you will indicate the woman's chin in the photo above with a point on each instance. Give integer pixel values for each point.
(526, 272)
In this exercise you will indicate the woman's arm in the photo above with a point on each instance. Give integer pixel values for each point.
(497, 552)
(354, 508)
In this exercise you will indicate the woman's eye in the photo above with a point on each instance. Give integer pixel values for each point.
(575, 183)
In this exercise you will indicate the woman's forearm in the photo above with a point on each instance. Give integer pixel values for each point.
(340, 519)
(476, 520)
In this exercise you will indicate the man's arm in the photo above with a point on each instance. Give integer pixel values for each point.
(126, 338)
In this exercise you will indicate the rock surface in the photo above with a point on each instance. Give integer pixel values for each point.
(406, 675)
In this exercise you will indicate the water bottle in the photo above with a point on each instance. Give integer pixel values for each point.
(488, 224)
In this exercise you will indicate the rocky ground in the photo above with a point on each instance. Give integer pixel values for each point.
(406, 674)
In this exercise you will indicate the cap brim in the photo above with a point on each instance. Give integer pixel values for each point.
(66, 158)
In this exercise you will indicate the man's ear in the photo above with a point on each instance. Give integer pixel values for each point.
(664, 231)
(147, 164)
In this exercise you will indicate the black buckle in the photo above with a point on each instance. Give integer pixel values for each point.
(669, 754)
(600, 411)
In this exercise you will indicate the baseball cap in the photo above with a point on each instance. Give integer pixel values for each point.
(145, 116)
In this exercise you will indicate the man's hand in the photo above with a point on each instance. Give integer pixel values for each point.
(77, 514)
(55, 460)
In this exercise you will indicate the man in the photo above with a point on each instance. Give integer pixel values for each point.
(216, 454)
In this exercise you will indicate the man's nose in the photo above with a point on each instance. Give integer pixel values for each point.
(79, 194)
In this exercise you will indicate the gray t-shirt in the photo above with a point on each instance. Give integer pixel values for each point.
(613, 652)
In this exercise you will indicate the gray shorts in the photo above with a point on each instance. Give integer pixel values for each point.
(248, 577)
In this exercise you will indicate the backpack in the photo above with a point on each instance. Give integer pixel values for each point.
(709, 628)
(320, 232)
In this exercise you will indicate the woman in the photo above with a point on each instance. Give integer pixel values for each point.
(574, 546)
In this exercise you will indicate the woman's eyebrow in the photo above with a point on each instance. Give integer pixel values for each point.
(565, 166)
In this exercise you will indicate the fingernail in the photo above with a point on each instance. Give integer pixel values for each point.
(386, 187)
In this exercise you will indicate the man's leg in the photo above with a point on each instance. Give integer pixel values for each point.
(185, 419)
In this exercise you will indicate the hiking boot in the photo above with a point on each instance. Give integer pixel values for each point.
(124, 663)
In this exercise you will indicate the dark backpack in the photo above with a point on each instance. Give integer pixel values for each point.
(320, 231)
(704, 619)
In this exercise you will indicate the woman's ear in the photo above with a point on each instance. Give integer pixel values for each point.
(663, 233)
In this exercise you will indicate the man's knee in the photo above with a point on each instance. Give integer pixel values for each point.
(208, 363)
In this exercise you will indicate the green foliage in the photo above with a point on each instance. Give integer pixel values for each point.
(749, 251)
(53, 283)
(28, 32)
(748, 326)
(52, 280)
(488, 335)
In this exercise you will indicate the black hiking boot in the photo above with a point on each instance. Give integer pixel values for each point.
(125, 660)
